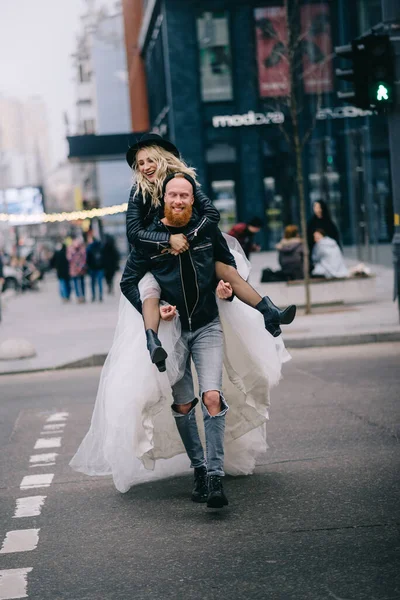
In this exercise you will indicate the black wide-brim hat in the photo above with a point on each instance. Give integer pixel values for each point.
(150, 139)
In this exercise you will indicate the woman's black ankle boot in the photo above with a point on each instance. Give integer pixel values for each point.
(157, 352)
(274, 316)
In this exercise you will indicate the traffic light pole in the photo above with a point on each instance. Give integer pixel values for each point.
(391, 18)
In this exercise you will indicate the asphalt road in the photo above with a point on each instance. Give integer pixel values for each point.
(319, 519)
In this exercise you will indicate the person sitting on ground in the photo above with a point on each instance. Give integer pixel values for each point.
(327, 257)
(290, 254)
(245, 232)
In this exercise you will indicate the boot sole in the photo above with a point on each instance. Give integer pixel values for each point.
(216, 502)
(199, 499)
(159, 355)
(288, 315)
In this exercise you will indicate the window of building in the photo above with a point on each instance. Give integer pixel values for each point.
(369, 14)
(215, 56)
(84, 74)
(89, 126)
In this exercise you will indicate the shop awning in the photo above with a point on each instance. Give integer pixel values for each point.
(94, 148)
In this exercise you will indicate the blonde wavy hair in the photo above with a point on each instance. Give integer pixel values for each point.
(166, 164)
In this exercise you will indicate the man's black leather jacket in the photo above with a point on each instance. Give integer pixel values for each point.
(167, 270)
(140, 214)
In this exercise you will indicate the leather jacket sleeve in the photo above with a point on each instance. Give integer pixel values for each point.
(137, 234)
(209, 217)
(136, 267)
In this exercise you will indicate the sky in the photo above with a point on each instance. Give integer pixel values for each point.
(37, 38)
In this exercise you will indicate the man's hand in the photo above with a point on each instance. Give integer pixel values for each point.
(178, 243)
(224, 290)
(168, 312)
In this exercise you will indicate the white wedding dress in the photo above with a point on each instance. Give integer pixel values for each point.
(133, 436)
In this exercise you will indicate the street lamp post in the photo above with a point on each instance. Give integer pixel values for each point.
(391, 18)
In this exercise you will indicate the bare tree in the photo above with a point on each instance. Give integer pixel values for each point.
(291, 50)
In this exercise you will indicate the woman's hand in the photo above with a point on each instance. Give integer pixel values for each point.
(224, 290)
(178, 243)
(167, 312)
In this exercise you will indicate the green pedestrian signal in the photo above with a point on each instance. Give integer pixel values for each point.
(382, 94)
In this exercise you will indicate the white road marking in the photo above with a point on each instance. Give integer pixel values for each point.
(13, 583)
(42, 443)
(31, 506)
(20, 540)
(35, 481)
(61, 416)
(43, 460)
(53, 427)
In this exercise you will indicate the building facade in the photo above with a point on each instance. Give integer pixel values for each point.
(103, 108)
(218, 84)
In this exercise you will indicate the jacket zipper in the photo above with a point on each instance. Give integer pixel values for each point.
(198, 227)
(151, 242)
(201, 247)
(184, 293)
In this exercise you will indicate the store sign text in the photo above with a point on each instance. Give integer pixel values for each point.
(250, 118)
(342, 112)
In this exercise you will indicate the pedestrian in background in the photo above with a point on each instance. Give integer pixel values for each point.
(111, 262)
(60, 263)
(245, 232)
(76, 255)
(95, 264)
(321, 219)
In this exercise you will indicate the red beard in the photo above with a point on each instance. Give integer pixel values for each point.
(178, 220)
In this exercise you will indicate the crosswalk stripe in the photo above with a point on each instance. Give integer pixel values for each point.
(20, 540)
(13, 583)
(33, 481)
(31, 506)
(42, 443)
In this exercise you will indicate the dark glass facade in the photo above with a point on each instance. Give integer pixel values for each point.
(218, 82)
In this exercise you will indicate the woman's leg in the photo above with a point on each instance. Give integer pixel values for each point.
(151, 313)
(273, 316)
(242, 289)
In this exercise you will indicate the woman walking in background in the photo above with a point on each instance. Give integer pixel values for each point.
(76, 255)
(111, 262)
(321, 219)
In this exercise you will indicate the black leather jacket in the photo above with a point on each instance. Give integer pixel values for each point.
(166, 269)
(140, 214)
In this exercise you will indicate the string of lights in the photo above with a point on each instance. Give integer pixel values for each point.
(64, 216)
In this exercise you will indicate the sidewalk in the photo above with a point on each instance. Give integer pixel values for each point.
(67, 334)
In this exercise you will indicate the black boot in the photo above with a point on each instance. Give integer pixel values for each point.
(274, 316)
(216, 497)
(200, 488)
(157, 352)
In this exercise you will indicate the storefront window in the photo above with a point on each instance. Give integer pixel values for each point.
(273, 212)
(215, 56)
(370, 14)
(225, 201)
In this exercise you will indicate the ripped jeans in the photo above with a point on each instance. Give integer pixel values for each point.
(206, 347)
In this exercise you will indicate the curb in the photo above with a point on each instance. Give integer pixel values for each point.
(343, 340)
(98, 360)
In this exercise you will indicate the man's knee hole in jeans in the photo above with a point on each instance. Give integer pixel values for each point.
(184, 409)
(211, 400)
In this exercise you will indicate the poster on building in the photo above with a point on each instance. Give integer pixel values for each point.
(272, 40)
(316, 48)
(215, 56)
